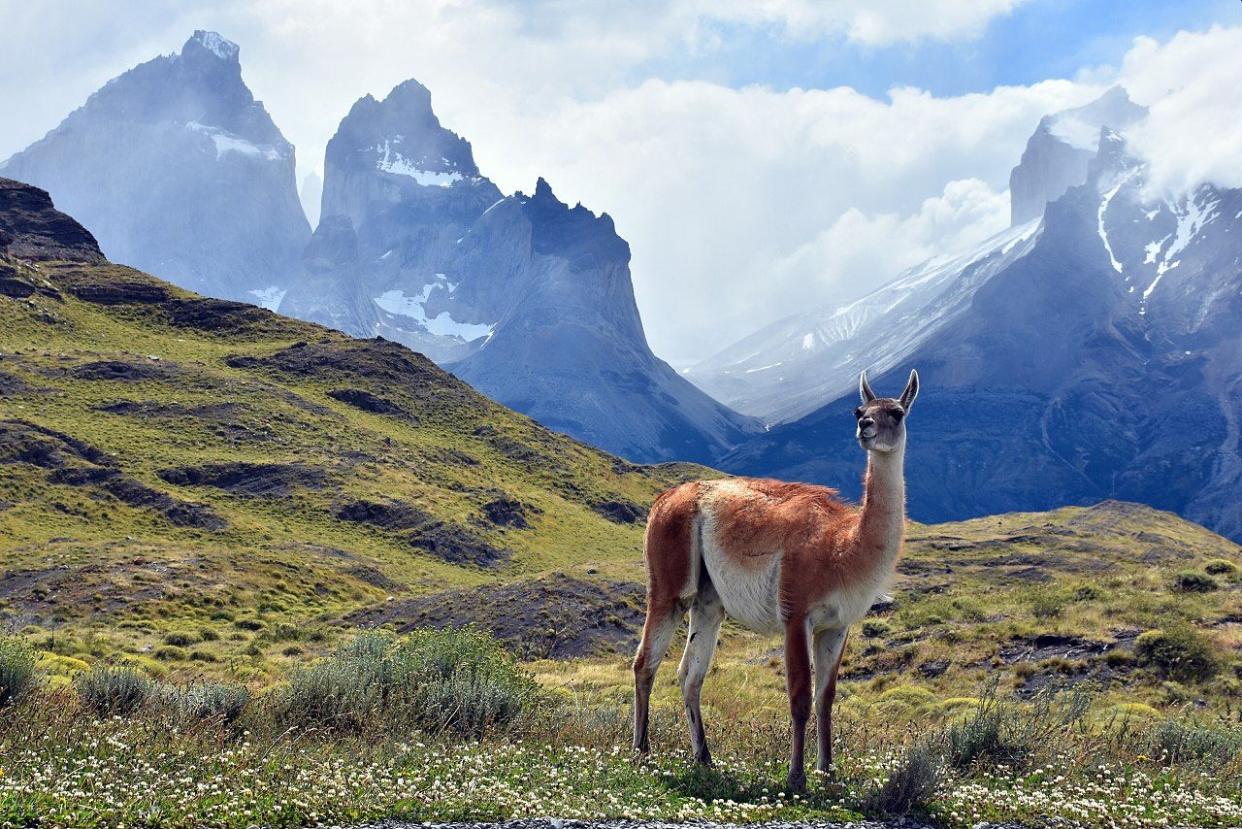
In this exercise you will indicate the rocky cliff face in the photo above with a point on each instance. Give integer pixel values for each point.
(524, 297)
(178, 170)
(1106, 362)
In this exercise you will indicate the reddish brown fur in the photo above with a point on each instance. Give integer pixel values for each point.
(670, 528)
(809, 525)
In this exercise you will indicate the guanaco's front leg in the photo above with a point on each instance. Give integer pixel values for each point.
(798, 682)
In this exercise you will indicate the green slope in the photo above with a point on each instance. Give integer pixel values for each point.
(170, 462)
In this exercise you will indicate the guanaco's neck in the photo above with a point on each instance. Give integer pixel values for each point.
(881, 522)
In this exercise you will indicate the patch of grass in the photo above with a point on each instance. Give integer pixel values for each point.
(210, 702)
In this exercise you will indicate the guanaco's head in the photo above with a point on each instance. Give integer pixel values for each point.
(882, 420)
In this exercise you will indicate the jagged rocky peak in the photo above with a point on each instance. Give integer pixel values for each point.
(1059, 153)
(178, 170)
(402, 136)
(203, 44)
(574, 232)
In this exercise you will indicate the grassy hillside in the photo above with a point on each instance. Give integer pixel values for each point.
(173, 467)
(200, 487)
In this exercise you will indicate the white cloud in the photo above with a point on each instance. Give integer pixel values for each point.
(740, 205)
(859, 250)
(724, 194)
(1193, 132)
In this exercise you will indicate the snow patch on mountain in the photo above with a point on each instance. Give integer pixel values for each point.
(226, 142)
(1108, 197)
(397, 164)
(442, 324)
(221, 47)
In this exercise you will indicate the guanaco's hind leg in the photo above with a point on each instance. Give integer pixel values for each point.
(706, 615)
(662, 621)
(829, 648)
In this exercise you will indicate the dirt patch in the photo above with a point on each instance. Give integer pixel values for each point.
(25, 442)
(1049, 645)
(457, 545)
(373, 577)
(620, 511)
(137, 494)
(254, 480)
(218, 315)
(506, 511)
(367, 402)
(391, 367)
(121, 371)
(11, 384)
(120, 292)
(555, 617)
(387, 515)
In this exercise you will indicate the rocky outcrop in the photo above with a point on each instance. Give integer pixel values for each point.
(178, 170)
(32, 229)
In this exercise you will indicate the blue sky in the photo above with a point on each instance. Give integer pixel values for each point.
(760, 157)
(1034, 42)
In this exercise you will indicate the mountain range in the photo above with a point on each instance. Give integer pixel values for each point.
(1092, 353)
(178, 170)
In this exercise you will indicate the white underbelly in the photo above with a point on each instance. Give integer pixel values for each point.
(750, 591)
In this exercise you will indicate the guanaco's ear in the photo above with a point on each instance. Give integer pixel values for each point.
(911, 392)
(864, 388)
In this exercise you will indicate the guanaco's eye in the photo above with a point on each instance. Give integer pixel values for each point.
(858, 413)
(897, 414)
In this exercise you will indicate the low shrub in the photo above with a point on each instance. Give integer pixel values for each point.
(1184, 742)
(1179, 652)
(179, 638)
(208, 635)
(211, 701)
(875, 629)
(114, 691)
(170, 653)
(17, 669)
(456, 680)
(1220, 567)
(909, 787)
(1047, 604)
(1191, 581)
(1009, 733)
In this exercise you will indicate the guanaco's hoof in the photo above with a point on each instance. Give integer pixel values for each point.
(796, 782)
